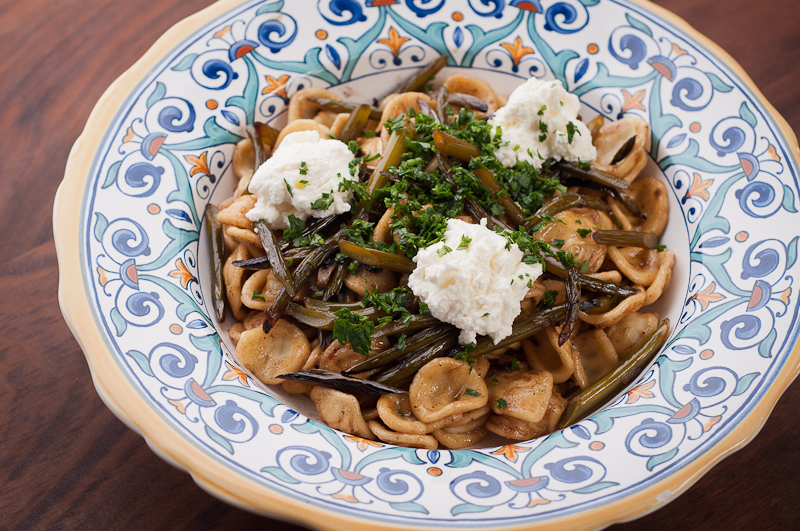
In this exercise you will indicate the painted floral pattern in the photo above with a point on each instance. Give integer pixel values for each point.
(736, 197)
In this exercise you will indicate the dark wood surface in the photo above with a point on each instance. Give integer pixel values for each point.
(67, 463)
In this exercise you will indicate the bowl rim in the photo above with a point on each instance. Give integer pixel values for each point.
(122, 397)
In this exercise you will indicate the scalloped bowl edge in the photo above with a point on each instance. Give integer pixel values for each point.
(131, 407)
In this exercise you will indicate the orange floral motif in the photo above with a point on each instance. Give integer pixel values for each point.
(182, 273)
(233, 374)
(103, 274)
(276, 86)
(632, 101)
(537, 501)
(785, 296)
(363, 443)
(199, 164)
(510, 452)
(699, 187)
(713, 420)
(346, 497)
(395, 41)
(130, 135)
(773, 154)
(640, 392)
(517, 50)
(179, 406)
(707, 296)
(678, 50)
(221, 33)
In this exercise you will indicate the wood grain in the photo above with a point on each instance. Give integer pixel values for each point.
(67, 463)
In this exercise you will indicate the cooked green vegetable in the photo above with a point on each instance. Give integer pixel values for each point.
(553, 266)
(588, 400)
(624, 150)
(593, 174)
(337, 381)
(411, 343)
(344, 106)
(455, 147)
(401, 374)
(376, 258)
(626, 238)
(217, 247)
(355, 124)
(573, 296)
(270, 243)
(421, 78)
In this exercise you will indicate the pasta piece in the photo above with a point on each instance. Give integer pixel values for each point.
(340, 411)
(650, 194)
(235, 332)
(369, 280)
(260, 290)
(300, 107)
(235, 213)
(612, 136)
(544, 354)
(399, 104)
(302, 125)
(597, 353)
(233, 280)
(583, 248)
(395, 412)
(638, 264)
(285, 349)
(457, 441)
(521, 394)
(630, 331)
(520, 430)
(244, 235)
(626, 307)
(426, 442)
(473, 86)
(446, 386)
(663, 277)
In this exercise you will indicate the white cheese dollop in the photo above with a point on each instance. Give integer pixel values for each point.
(302, 169)
(520, 122)
(477, 289)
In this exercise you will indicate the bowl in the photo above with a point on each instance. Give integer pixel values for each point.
(133, 258)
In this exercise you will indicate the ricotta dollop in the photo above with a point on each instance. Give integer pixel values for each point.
(478, 286)
(302, 169)
(536, 125)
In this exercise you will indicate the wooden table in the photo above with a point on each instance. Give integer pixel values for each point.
(67, 463)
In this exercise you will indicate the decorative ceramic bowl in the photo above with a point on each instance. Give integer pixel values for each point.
(134, 260)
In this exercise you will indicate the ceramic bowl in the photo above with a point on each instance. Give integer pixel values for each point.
(134, 261)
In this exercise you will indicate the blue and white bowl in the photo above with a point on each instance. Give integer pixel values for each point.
(134, 260)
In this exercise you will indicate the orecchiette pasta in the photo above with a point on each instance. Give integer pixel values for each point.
(341, 314)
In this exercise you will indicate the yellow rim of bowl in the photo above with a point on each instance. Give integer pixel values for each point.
(125, 401)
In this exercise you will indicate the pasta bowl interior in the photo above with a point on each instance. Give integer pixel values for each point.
(136, 274)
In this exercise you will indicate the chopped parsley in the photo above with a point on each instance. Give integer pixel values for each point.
(288, 188)
(324, 202)
(515, 364)
(401, 342)
(259, 296)
(501, 403)
(471, 392)
(465, 241)
(548, 300)
(541, 111)
(571, 130)
(303, 169)
(495, 381)
(443, 251)
(350, 327)
(583, 232)
(660, 248)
